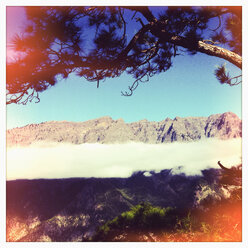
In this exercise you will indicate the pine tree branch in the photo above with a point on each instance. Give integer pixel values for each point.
(208, 49)
(199, 46)
(144, 10)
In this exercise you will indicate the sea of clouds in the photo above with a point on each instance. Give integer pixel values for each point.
(54, 160)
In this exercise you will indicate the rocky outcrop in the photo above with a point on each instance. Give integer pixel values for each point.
(107, 130)
(224, 126)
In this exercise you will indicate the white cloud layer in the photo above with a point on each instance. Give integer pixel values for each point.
(50, 160)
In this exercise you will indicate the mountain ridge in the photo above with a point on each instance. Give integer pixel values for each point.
(106, 130)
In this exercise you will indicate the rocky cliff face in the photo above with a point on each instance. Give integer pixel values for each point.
(107, 130)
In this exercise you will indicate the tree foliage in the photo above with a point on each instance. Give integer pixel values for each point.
(103, 42)
(214, 221)
(141, 217)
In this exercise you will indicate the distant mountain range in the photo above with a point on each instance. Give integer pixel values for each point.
(106, 130)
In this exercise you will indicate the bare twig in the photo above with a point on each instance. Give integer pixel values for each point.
(211, 42)
(219, 24)
(124, 24)
(237, 79)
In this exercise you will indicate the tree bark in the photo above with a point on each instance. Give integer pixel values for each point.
(208, 49)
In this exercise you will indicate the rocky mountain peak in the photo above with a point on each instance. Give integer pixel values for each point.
(226, 125)
(106, 130)
(104, 119)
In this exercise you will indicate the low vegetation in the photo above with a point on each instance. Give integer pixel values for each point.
(212, 221)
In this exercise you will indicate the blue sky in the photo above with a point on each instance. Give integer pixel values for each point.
(189, 88)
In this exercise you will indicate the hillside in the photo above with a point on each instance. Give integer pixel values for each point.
(73, 209)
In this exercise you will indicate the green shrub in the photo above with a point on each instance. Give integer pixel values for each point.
(221, 221)
(142, 216)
